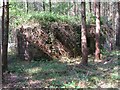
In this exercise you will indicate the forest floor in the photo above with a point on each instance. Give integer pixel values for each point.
(64, 73)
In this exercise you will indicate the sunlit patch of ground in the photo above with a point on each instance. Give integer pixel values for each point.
(64, 73)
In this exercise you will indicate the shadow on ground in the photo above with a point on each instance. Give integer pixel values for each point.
(63, 73)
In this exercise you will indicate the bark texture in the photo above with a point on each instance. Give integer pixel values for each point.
(1, 47)
(83, 35)
(5, 30)
(118, 27)
(97, 52)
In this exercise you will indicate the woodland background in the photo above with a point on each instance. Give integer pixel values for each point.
(60, 44)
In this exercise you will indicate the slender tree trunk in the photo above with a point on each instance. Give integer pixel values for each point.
(75, 8)
(68, 13)
(43, 5)
(118, 27)
(97, 52)
(50, 8)
(1, 46)
(106, 8)
(95, 7)
(83, 35)
(5, 27)
(3, 15)
(27, 5)
(90, 7)
(104, 5)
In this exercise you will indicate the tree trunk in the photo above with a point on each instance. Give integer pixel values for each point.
(83, 35)
(5, 29)
(118, 27)
(50, 9)
(43, 5)
(97, 52)
(3, 15)
(94, 7)
(90, 7)
(27, 5)
(68, 13)
(104, 8)
(1, 47)
(75, 7)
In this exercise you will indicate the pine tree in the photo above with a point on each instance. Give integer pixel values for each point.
(83, 35)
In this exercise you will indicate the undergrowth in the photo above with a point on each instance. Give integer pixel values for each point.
(56, 74)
